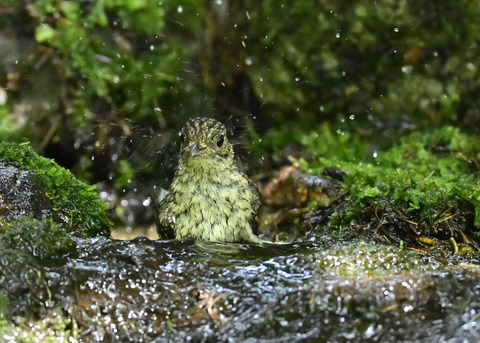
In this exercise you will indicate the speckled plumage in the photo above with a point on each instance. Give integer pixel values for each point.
(210, 199)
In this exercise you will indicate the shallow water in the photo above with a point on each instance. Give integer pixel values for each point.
(181, 291)
(144, 290)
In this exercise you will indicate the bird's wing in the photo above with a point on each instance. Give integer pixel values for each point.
(255, 203)
(166, 219)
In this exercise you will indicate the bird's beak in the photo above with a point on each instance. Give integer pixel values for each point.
(197, 149)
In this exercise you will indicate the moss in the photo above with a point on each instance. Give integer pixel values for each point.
(423, 172)
(42, 238)
(426, 171)
(77, 202)
(53, 327)
(369, 259)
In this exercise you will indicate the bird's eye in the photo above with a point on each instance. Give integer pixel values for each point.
(220, 141)
(182, 138)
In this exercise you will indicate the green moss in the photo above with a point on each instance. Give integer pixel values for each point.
(42, 238)
(364, 258)
(53, 327)
(424, 172)
(76, 201)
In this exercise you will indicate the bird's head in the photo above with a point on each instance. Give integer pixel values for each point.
(204, 136)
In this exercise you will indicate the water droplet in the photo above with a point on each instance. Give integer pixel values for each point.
(247, 14)
(337, 35)
(180, 9)
(297, 79)
(407, 69)
(352, 117)
(396, 29)
(248, 61)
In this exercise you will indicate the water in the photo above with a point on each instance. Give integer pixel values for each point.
(144, 290)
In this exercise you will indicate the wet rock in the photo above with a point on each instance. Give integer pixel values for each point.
(176, 291)
(37, 186)
(22, 193)
(292, 188)
(286, 197)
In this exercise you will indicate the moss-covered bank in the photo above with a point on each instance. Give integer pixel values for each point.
(409, 189)
(76, 206)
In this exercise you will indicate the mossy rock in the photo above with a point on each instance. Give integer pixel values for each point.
(418, 189)
(41, 238)
(40, 188)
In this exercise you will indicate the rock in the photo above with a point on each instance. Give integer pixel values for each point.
(22, 193)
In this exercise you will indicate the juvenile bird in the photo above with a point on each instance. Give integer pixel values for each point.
(210, 198)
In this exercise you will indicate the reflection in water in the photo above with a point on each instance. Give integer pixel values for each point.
(128, 233)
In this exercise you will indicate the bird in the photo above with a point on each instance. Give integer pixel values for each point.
(210, 199)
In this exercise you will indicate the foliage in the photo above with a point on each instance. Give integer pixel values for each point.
(427, 171)
(75, 200)
(310, 60)
(124, 52)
